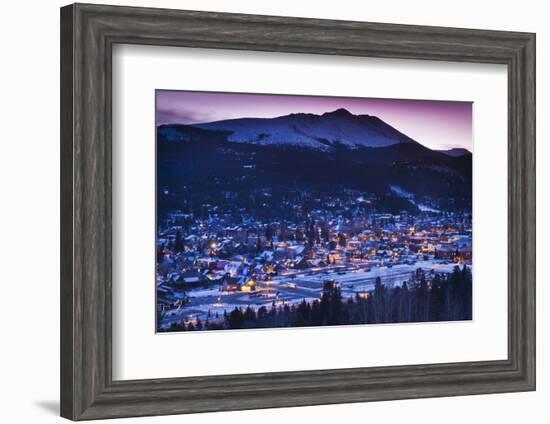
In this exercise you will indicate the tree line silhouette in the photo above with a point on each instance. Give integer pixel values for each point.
(443, 297)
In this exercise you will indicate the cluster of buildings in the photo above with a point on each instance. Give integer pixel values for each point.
(240, 253)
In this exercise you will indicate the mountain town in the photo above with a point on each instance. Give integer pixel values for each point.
(253, 233)
(209, 266)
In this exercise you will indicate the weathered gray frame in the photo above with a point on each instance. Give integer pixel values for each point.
(88, 33)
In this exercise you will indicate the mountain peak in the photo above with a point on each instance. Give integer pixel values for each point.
(339, 128)
(338, 112)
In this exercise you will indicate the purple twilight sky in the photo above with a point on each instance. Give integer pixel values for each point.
(435, 124)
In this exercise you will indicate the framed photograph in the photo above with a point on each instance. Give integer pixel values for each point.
(264, 212)
(311, 215)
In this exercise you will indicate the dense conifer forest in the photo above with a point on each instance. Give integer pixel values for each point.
(438, 297)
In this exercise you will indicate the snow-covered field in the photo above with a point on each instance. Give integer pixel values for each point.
(212, 302)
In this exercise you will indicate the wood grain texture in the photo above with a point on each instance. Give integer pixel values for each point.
(66, 211)
(88, 33)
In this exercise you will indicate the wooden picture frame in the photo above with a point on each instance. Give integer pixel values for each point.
(88, 33)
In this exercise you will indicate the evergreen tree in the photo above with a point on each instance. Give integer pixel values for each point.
(269, 233)
(160, 253)
(236, 318)
(378, 300)
(178, 243)
(258, 245)
(316, 318)
(325, 233)
(249, 315)
(466, 293)
(342, 240)
(262, 313)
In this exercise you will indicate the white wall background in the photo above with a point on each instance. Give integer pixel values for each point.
(29, 224)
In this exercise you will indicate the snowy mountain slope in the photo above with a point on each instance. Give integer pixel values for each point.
(323, 132)
(304, 152)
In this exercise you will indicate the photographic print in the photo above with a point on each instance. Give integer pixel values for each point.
(304, 211)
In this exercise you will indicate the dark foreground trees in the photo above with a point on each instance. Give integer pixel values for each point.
(441, 297)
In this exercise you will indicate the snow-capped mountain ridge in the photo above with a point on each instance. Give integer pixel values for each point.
(333, 151)
(331, 129)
